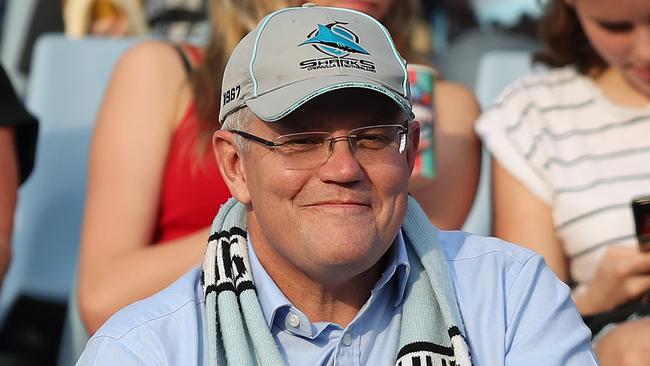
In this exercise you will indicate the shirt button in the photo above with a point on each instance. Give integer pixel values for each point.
(294, 320)
(347, 339)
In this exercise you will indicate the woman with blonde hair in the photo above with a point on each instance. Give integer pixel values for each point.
(117, 18)
(153, 186)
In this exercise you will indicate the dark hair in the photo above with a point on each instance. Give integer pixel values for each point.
(565, 41)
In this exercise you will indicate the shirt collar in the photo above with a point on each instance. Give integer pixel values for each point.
(398, 263)
(269, 294)
(272, 299)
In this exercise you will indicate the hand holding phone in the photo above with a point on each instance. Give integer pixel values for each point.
(641, 210)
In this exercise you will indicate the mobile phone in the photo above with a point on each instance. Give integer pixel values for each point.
(641, 210)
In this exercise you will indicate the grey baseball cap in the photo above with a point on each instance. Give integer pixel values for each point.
(296, 54)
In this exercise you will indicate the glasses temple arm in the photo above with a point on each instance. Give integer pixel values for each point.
(255, 138)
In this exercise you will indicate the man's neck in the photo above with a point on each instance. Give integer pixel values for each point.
(334, 298)
(337, 303)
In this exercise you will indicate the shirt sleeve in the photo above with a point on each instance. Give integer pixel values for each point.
(511, 129)
(542, 317)
(107, 351)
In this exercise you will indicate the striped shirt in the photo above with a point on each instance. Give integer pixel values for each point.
(577, 151)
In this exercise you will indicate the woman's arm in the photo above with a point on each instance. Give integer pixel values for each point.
(448, 198)
(622, 275)
(8, 192)
(521, 217)
(118, 262)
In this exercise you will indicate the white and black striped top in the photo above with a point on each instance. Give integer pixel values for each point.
(576, 150)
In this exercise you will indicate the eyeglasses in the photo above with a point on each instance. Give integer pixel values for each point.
(308, 150)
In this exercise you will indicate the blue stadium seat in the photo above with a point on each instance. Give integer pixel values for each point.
(64, 91)
(496, 70)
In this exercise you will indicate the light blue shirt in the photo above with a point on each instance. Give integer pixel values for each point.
(370, 339)
(515, 312)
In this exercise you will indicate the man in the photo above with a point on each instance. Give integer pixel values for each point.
(323, 258)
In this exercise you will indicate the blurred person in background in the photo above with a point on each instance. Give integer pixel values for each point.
(153, 185)
(170, 19)
(18, 129)
(571, 149)
(177, 19)
(114, 18)
(466, 30)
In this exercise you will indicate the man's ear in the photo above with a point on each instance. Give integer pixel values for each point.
(231, 165)
(413, 144)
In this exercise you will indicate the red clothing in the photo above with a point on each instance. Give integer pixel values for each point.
(192, 187)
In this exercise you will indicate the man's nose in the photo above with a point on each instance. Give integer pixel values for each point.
(642, 44)
(333, 140)
(341, 164)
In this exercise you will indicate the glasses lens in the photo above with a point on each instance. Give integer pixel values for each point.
(376, 137)
(302, 150)
(373, 144)
(378, 144)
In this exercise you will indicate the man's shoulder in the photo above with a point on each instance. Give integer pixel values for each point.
(179, 303)
(164, 329)
(460, 246)
(513, 307)
(475, 259)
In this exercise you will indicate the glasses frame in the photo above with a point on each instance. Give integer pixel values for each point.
(403, 129)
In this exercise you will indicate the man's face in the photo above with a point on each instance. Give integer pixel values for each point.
(336, 220)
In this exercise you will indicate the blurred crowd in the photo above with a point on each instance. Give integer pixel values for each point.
(445, 28)
(567, 144)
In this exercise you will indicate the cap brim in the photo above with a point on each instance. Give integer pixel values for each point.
(276, 104)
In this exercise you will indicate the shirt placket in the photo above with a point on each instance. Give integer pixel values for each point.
(348, 350)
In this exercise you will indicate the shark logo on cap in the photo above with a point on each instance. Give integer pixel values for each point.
(334, 40)
(339, 44)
